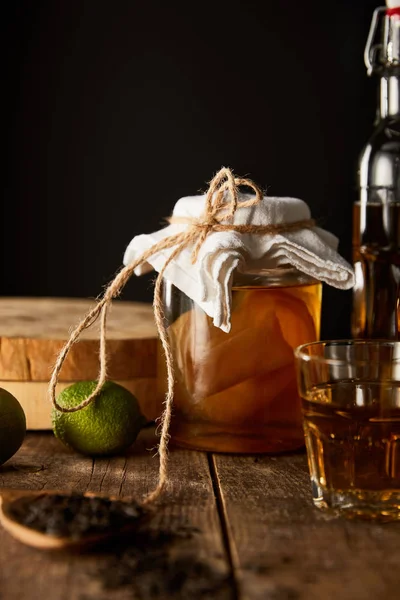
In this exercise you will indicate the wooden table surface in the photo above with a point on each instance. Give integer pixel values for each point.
(230, 527)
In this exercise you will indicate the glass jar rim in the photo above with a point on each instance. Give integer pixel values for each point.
(272, 276)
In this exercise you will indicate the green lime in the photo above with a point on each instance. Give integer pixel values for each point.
(109, 425)
(12, 425)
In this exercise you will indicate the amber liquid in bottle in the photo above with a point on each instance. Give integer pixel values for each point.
(237, 391)
(376, 258)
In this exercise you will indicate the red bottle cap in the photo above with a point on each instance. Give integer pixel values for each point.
(392, 12)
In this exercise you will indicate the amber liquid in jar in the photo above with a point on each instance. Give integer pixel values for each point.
(236, 391)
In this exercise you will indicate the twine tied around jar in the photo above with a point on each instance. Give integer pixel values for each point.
(222, 201)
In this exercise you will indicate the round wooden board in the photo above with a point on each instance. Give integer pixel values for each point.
(33, 331)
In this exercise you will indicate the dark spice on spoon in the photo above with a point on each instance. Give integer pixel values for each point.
(74, 516)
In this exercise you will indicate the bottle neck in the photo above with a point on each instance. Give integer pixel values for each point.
(389, 95)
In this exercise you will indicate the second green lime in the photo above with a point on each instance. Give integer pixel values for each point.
(12, 425)
(109, 425)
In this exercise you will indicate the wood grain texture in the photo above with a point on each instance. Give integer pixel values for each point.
(33, 330)
(183, 554)
(285, 549)
(33, 397)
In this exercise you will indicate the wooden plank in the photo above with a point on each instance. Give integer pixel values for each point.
(179, 554)
(285, 549)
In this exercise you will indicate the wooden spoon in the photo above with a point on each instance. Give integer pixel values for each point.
(47, 520)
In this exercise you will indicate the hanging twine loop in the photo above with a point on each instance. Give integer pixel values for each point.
(222, 202)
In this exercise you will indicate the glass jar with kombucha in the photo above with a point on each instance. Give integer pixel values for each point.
(236, 392)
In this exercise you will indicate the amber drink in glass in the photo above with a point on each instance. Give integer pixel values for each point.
(236, 392)
(351, 408)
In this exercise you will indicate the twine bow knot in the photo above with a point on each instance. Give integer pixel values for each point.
(222, 202)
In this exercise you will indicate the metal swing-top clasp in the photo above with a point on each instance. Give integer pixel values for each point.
(383, 49)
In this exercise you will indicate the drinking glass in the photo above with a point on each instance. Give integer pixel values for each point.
(350, 391)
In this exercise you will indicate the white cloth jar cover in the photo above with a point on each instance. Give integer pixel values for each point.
(209, 280)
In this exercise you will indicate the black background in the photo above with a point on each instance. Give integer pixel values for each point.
(114, 110)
